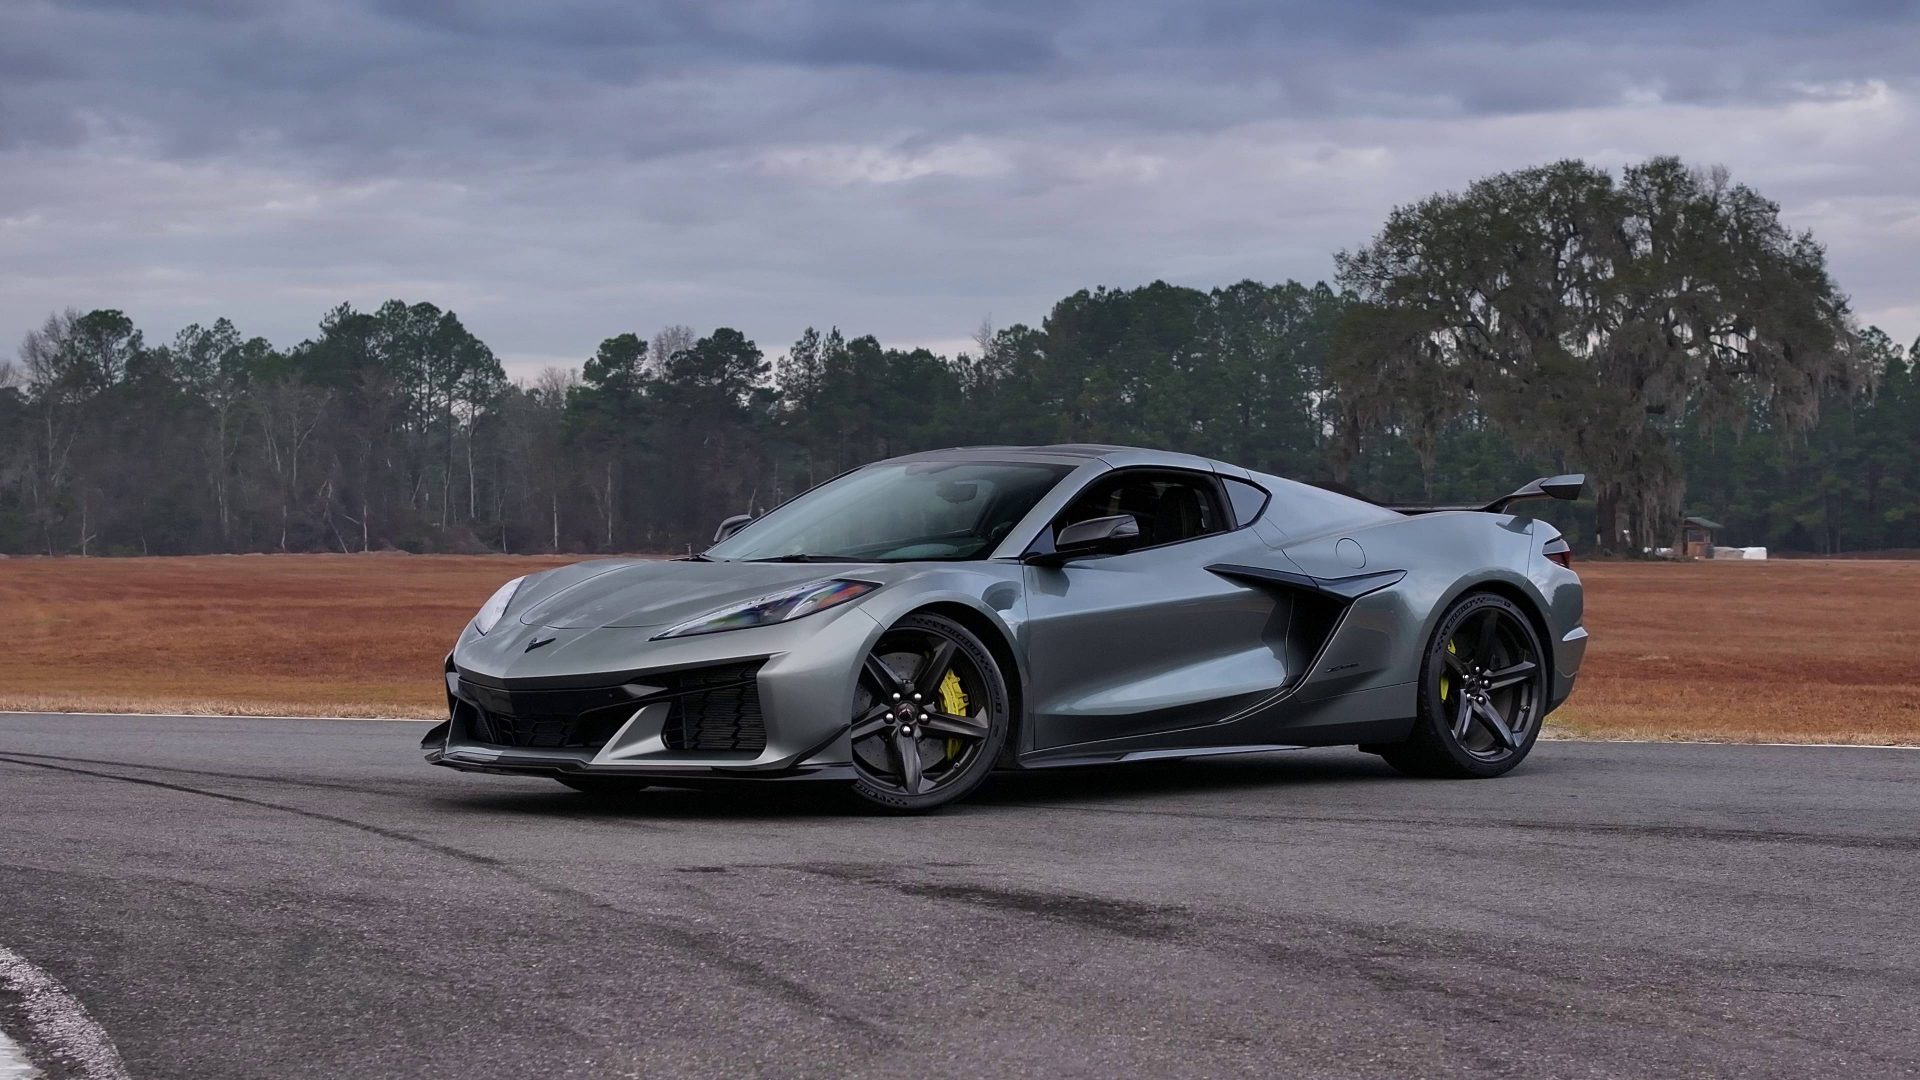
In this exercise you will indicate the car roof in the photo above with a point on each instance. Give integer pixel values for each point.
(1076, 454)
(1298, 502)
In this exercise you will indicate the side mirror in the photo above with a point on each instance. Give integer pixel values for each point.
(730, 526)
(1094, 536)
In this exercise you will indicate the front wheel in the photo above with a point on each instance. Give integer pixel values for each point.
(930, 714)
(1483, 693)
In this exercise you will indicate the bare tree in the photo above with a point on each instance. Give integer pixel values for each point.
(45, 353)
(289, 411)
(668, 342)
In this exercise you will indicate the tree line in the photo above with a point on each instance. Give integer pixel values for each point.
(1659, 329)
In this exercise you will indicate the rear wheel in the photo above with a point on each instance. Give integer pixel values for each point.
(1483, 693)
(930, 713)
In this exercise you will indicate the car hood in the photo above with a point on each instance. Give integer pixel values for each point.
(638, 593)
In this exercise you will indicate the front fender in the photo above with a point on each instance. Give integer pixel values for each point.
(993, 592)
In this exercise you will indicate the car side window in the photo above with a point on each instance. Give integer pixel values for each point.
(1248, 500)
(1170, 507)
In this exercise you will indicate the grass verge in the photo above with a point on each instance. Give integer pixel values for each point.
(1781, 651)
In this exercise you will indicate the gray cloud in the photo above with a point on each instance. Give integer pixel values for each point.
(562, 171)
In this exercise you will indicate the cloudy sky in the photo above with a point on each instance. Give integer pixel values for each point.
(561, 171)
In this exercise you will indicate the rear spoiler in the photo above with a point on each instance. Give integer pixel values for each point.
(1566, 487)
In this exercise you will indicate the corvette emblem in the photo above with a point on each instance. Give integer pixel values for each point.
(537, 642)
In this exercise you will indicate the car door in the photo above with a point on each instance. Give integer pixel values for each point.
(1149, 640)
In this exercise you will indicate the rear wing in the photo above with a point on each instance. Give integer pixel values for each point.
(1566, 487)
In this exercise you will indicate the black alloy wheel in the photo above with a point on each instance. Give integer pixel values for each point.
(1483, 693)
(930, 714)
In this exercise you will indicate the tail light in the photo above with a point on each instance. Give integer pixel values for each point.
(1557, 551)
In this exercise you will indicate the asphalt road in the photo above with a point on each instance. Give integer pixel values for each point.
(262, 898)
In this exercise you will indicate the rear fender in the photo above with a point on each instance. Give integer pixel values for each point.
(1382, 639)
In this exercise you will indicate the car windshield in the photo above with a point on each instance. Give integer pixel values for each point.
(898, 513)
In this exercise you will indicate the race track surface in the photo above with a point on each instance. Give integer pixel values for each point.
(274, 898)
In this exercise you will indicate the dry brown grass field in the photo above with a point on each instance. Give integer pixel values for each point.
(345, 635)
(1770, 651)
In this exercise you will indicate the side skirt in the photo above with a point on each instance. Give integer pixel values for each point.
(1347, 734)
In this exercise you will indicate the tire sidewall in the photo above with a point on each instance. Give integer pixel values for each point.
(1433, 712)
(999, 720)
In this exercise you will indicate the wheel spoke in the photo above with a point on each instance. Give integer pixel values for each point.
(874, 722)
(960, 727)
(885, 680)
(1508, 676)
(1483, 645)
(1490, 716)
(1463, 715)
(1454, 663)
(906, 759)
(927, 680)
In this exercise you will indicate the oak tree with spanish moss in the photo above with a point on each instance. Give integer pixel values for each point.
(1594, 317)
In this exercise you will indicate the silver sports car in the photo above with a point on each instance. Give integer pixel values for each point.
(911, 625)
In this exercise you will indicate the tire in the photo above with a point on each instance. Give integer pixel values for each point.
(920, 742)
(602, 785)
(1482, 694)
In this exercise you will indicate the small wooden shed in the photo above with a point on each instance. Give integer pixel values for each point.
(1696, 537)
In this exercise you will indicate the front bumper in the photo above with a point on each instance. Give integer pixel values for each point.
(490, 759)
(770, 702)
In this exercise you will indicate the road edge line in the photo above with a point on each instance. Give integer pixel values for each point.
(58, 1022)
(14, 1061)
(212, 716)
(1722, 742)
(429, 720)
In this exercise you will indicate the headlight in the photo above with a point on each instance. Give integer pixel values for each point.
(783, 606)
(496, 606)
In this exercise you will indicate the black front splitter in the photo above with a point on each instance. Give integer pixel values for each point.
(691, 777)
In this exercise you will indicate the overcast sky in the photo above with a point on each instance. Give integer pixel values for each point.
(562, 171)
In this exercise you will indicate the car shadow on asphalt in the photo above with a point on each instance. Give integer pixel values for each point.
(1130, 784)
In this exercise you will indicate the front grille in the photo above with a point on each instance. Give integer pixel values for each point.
(709, 709)
(549, 719)
(718, 709)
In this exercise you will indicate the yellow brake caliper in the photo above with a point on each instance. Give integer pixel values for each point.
(953, 699)
(1443, 676)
